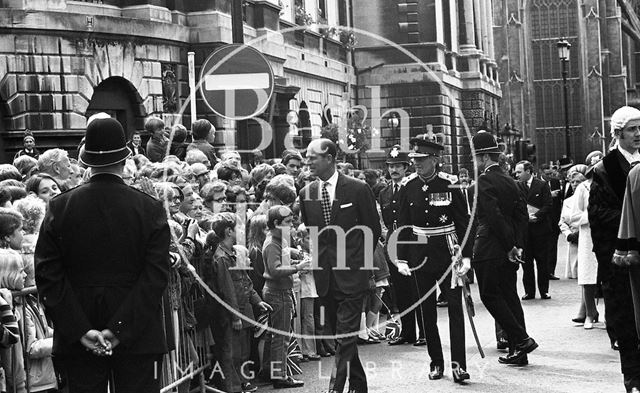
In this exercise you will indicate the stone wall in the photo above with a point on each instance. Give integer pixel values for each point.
(47, 82)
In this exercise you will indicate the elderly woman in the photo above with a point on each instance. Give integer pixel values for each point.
(569, 223)
(56, 163)
(587, 262)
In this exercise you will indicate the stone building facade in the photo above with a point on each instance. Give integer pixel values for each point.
(63, 60)
(601, 66)
(449, 80)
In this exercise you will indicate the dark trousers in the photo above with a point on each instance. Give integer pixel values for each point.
(406, 295)
(498, 292)
(342, 314)
(538, 249)
(427, 281)
(87, 373)
(225, 372)
(553, 249)
(620, 316)
(322, 344)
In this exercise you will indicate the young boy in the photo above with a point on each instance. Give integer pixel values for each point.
(277, 256)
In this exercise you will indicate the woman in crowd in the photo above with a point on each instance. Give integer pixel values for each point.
(43, 186)
(587, 262)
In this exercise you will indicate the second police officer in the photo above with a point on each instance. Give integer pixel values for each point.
(404, 294)
(433, 213)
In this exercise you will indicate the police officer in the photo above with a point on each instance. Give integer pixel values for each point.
(502, 222)
(433, 214)
(402, 291)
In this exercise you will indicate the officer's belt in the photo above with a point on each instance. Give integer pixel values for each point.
(434, 231)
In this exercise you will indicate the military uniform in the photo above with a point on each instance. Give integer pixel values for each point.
(434, 214)
(403, 290)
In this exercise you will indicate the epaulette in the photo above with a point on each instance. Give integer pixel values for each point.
(451, 178)
(407, 179)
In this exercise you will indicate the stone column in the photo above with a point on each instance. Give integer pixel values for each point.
(469, 27)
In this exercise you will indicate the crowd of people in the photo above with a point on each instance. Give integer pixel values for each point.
(243, 229)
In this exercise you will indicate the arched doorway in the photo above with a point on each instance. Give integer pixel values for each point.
(120, 99)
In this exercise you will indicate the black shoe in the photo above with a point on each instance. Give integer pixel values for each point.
(460, 375)
(502, 344)
(247, 387)
(552, 277)
(528, 297)
(324, 353)
(313, 357)
(436, 372)
(614, 346)
(527, 345)
(287, 383)
(398, 341)
(545, 296)
(579, 320)
(420, 342)
(523, 360)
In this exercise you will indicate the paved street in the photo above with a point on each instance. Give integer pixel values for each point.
(569, 359)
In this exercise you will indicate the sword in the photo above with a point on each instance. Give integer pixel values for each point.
(466, 294)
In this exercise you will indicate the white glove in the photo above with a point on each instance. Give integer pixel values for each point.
(403, 267)
(464, 267)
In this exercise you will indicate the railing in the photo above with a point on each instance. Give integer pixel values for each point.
(183, 368)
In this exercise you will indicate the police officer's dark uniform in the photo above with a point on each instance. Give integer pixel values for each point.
(502, 221)
(102, 262)
(435, 214)
(402, 291)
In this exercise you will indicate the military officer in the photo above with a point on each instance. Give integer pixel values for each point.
(403, 292)
(433, 214)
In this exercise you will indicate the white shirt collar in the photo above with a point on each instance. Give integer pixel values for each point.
(631, 158)
(530, 181)
(332, 182)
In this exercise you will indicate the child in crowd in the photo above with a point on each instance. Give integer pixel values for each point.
(308, 295)
(277, 291)
(12, 277)
(32, 209)
(232, 333)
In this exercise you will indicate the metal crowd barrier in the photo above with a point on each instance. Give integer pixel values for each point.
(183, 368)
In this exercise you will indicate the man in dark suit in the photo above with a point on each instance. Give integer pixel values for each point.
(500, 236)
(101, 266)
(404, 292)
(549, 176)
(341, 212)
(539, 203)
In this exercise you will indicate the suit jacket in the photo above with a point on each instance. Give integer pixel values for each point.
(102, 261)
(354, 204)
(539, 196)
(501, 215)
(132, 149)
(389, 207)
